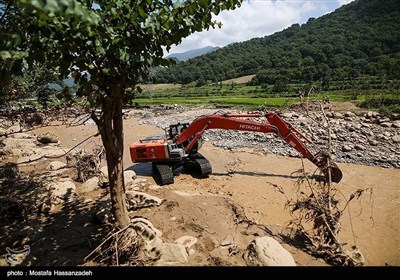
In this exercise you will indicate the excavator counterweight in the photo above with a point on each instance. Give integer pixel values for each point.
(180, 145)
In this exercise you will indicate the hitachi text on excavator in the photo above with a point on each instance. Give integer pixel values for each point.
(180, 145)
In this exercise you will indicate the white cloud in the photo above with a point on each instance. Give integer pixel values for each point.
(257, 18)
(344, 2)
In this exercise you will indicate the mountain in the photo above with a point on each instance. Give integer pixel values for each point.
(192, 53)
(360, 39)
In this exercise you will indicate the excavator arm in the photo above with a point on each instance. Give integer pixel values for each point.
(275, 124)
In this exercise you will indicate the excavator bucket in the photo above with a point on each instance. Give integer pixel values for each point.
(335, 173)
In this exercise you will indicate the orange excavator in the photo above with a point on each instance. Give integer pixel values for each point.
(180, 145)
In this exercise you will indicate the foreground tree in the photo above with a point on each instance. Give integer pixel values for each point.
(107, 46)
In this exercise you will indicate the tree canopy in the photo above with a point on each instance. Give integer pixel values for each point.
(106, 46)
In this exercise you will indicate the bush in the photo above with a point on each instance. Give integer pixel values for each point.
(386, 103)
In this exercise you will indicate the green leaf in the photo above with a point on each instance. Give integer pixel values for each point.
(142, 13)
(204, 3)
(5, 55)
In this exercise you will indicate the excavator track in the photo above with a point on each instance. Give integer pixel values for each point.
(203, 166)
(163, 174)
(198, 164)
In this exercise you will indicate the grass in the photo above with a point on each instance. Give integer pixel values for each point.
(219, 100)
(240, 94)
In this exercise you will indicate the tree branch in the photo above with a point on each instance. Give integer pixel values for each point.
(5, 11)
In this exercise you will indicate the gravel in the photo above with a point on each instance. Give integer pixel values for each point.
(366, 138)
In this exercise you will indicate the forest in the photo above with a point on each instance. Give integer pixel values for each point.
(357, 43)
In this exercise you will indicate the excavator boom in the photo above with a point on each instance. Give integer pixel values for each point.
(182, 142)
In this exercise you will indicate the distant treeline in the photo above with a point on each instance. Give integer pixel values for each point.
(361, 39)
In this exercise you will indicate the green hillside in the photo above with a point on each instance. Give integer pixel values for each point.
(359, 41)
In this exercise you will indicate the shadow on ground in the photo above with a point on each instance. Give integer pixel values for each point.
(58, 235)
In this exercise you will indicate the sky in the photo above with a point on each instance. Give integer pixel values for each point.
(257, 18)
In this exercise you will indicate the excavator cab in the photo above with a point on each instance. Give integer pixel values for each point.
(176, 129)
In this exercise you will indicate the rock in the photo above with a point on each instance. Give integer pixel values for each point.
(358, 126)
(187, 241)
(129, 176)
(371, 114)
(266, 251)
(386, 124)
(349, 114)
(55, 165)
(384, 120)
(172, 254)
(137, 184)
(359, 147)
(396, 124)
(367, 133)
(373, 142)
(287, 115)
(387, 134)
(396, 138)
(138, 200)
(395, 116)
(365, 125)
(329, 114)
(90, 185)
(13, 129)
(338, 115)
(47, 138)
(347, 148)
(150, 235)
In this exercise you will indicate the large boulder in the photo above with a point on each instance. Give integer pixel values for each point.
(150, 235)
(266, 251)
(90, 185)
(47, 138)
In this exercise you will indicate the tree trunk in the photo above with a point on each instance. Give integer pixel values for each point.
(111, 130)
